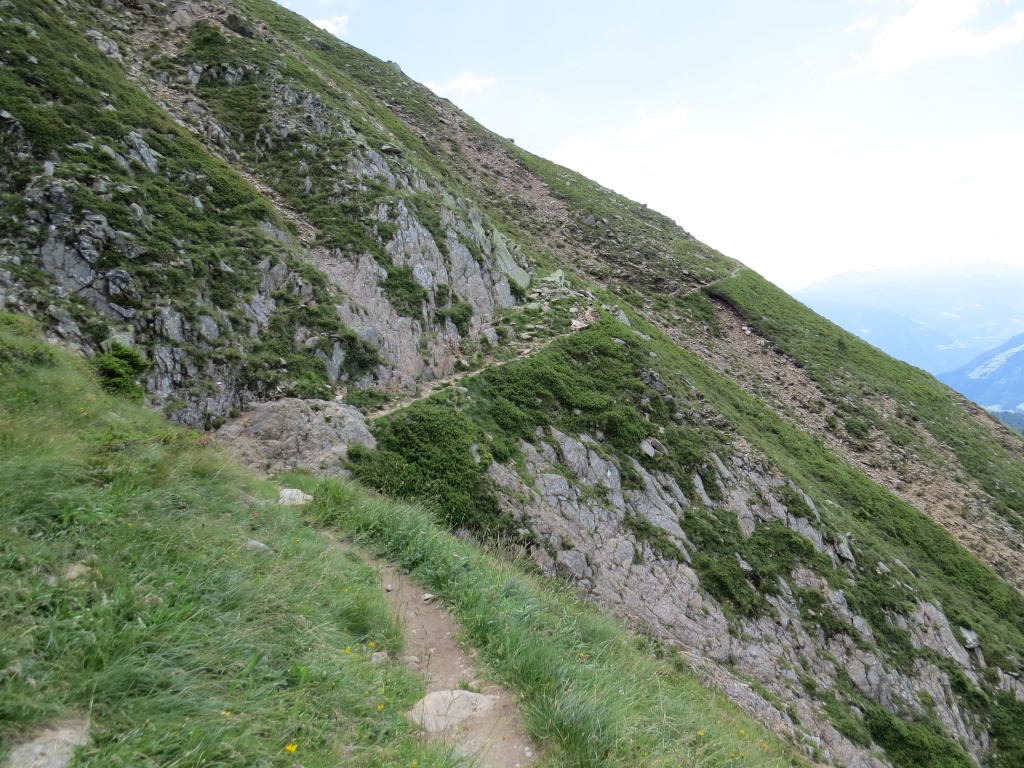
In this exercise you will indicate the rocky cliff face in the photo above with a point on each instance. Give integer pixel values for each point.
(287, 228)
(628, 551)
(419, 300)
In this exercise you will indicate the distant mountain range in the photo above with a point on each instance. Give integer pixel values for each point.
(938, 318)
(994, 379)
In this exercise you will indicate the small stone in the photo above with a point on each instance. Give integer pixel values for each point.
(293, 497)
(412, 662)
(258, 546)
(53, 747)
(389, 587)
(75, 571)
(427, 597)
(379, 657)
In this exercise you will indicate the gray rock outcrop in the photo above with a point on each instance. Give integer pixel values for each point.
(293, 434)
(579, 512)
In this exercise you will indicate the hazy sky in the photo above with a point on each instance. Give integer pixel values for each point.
(803, 137)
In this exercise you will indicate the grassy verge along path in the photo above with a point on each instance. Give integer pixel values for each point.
(132, 594)
(145, 587)
(591, 693)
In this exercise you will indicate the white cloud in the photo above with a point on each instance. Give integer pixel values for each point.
(798, 207)
(462, 85)
(336, 25)
(862, 24)
(934, 29)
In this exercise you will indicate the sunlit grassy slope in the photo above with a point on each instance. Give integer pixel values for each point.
(187, 645)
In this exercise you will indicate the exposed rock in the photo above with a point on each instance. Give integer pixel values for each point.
(104, 43)
(594, 549)
(53, 747)
(296, 434)
(443, 710)
(293, 497)
(75, 571)
(573, 564)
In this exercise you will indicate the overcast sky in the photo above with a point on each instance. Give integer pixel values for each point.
(804, 137)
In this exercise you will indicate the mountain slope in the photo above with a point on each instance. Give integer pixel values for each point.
(149, 584)
(265, 213)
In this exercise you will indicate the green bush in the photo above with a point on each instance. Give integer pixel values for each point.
(913, 745)
(459, 313)
(118, 370)
(404, 293)
(429, 451)
(659, 541)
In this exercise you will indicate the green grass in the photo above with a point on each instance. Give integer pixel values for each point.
(186, 646)
(591, 693)
(182, 644)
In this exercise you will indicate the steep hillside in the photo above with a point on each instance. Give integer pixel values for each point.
(161, 608)
(273, 229)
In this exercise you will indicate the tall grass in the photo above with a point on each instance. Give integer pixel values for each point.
(184, 645)
(591, 692)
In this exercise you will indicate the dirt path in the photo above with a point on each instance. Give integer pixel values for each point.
(437, 385)
(479, 721)
(493, 737)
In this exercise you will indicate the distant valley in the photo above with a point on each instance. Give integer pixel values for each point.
(936, 318)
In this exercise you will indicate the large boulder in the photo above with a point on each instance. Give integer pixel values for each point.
(294, 434)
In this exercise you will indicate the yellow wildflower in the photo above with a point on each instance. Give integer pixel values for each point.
(700, 734)
(289, 748)
(228, 713)
(380, 707)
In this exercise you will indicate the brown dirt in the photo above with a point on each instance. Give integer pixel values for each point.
(493, 739)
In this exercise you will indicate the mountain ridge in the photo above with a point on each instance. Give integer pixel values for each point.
(993, 378)
(682, 441)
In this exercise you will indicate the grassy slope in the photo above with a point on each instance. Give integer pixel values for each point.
(187, 647)
(847, 367)
(968, 591)
(182, 644)
(590, 382)
(206, 260)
